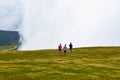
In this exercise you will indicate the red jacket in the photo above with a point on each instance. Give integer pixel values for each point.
(59, 47)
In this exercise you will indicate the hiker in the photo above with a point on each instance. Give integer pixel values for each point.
(59, 48)
(65, 49)
(70, 47)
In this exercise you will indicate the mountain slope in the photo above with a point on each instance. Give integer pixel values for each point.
(7, 37)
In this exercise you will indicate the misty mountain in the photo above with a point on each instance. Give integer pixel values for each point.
(8, 37)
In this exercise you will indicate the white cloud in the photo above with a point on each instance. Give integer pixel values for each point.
(50, 22)
(83, 22)
(11, 14)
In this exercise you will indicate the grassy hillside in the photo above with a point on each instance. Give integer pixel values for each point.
(12, 46)
(98, 63)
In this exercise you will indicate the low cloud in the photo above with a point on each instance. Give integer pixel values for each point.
(11, 15)
(83, 22)
(46, 23)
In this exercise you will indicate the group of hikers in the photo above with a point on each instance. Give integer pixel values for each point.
(64, 48)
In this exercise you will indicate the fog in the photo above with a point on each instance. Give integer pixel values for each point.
(11, 15)
(82, 22)
(46, 23)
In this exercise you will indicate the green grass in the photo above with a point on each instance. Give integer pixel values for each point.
(12, 46)
(96, 63)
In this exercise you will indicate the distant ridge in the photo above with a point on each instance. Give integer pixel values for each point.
(8, 37)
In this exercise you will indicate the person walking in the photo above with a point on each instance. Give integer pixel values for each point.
(70, 47)
(60, 48)
(65, 49)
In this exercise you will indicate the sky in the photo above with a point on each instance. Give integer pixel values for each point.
(11, 14)
(44, 24)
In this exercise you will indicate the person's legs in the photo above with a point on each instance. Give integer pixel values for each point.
(70, 50)
(59, 51)
(64, 52)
